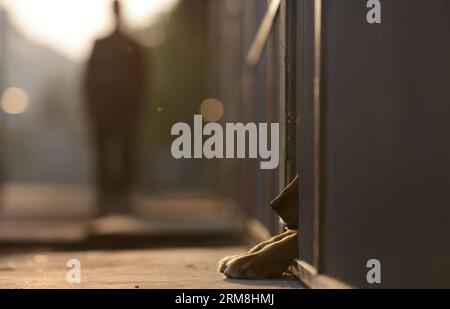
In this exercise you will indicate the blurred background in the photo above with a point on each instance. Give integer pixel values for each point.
(194, 56)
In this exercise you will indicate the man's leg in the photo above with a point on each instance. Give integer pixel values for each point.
(127, 164)
(103, 188)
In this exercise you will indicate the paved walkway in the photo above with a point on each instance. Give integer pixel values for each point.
(154, 268)
(176, 243)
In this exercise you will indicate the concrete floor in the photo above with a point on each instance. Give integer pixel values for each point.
(175, 242)
(185, 268)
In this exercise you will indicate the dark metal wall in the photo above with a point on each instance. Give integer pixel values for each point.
(386, 101)
(302, 53)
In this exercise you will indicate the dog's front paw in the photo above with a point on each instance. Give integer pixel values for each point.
(252, 266)
(236, 268)
(223, 263)
(268, 263)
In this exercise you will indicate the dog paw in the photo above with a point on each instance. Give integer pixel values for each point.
(235, 268)
(252, 266)
(223, 263)
(268, 263)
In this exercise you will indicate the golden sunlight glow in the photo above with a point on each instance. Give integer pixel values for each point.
(70, 26)
(14, 101)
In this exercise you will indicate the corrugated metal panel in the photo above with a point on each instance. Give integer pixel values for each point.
(387, 91)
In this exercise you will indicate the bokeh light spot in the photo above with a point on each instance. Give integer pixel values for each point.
(212, 110)
(14, 101)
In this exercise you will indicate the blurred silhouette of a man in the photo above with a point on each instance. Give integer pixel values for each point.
(114, 86)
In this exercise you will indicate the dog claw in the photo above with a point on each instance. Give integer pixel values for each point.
(224, 263)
